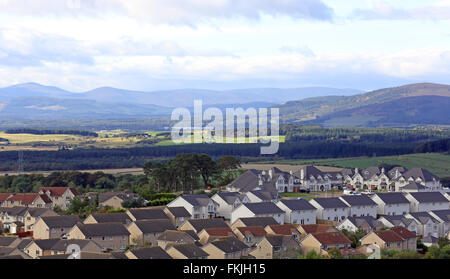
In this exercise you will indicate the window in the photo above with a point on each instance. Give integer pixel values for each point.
(110, 238)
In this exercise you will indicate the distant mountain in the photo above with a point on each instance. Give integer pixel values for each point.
(310, 109)
(174, 98)
(419, 110)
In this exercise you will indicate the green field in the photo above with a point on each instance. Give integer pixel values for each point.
(438, 164)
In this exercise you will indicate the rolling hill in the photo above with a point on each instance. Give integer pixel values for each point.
(424, 103)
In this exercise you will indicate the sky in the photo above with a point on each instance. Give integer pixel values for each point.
(150, 45)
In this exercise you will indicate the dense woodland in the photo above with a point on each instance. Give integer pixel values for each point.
(52, 132)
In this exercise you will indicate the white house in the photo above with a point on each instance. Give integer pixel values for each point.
(227, 202)
(298, 211)
(419, 176)
(427, 201)
(443, 216)
(413, 187)
(331, 209)
(391, 221)
(391, 204)
(360, 206)
(263, 209)
(199, 206)
(428, 225)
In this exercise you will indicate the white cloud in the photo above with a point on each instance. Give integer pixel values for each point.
(172, 11)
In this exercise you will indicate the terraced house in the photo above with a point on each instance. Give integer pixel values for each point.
(198, 206)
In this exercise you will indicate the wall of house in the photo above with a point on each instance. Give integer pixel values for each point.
(335, 214)
(309, 243)
(263, 250)
(241, 212)
(40, 230)
(358, 211)
(180, 202)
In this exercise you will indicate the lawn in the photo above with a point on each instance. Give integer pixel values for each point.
(438, 164)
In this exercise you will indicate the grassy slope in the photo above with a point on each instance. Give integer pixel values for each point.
(438, 164)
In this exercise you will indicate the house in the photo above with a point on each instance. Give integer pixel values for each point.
(70, 246)
(187, 252)
(273, 180)
(360, 206)
(315, 228)
(254, 222)
(419, 176)
(413, 187)
(229, 249)
(410, 238)
(443, 216)
(263, 209)
(60, 196)
(139, 214)
(427, 224)
(147, 231)
(99, 218)
(286, 229)
(313, 179)
(43, 247)
(112, 199)
(391, 203)
(211, 234)
(366, 223)
(173, 237)
(3, 198)
(109, 236)
(322, 242)
(397, 238)
(153, 253)
(198, 206)
(274, 246)
(427, 201)
(197, 225)
(16, 228)
(430, 241)
(258, 196)
(331, 209)
(390, 221)
(250, 235)
(52, 227)
(32, 214)
(85, 256)
(177, 215)
(9, 253)
(227, 202)
(9, 215)
(298, 211)
(29, 200)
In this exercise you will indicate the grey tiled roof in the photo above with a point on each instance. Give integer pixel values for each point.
(362, 200)
(414, 186)
(369, 220)
(148, 213)
(299, 204)
(248, 181)
(422, 173)
(331, 203)
(423, 217)
(112, 218)
(444, 215)
(197, 200)
(229, 197)
(426, 197)
(230, 245)
(60, 221)
(191, 251)
(153, 253)
(397, 219)
(105, 229)
(154, 226)
(265, 195)
(179, 212)
(258, 221)
(393, 198)
(264, 208)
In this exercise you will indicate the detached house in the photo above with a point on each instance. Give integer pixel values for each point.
(427, 201)
(323, 242)
(391, 204)
(250, 235)
(298, 211)
(419, 176)
(360, 206)
(199, 206)
(396, 238)
(109, 236)
(48, 227)
(272, 246)
(112, 199)
(148, 231)
(172, 237)
(428, 225)
(264, 209)
(330, 209)
(60, 196)
(366, 223)
(227, 202)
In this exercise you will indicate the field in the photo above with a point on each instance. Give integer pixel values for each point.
(438, 164)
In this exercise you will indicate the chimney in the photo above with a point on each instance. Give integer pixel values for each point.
(302, 174)
(270, 174)
(356, 171)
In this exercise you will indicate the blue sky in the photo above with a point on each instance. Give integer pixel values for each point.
(221, 44)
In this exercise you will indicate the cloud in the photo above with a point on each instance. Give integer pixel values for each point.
(172, 11)
(47, 108)
(383, 10)
(304, 50)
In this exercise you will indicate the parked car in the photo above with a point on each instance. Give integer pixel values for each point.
(349, 192)
(368, 192)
